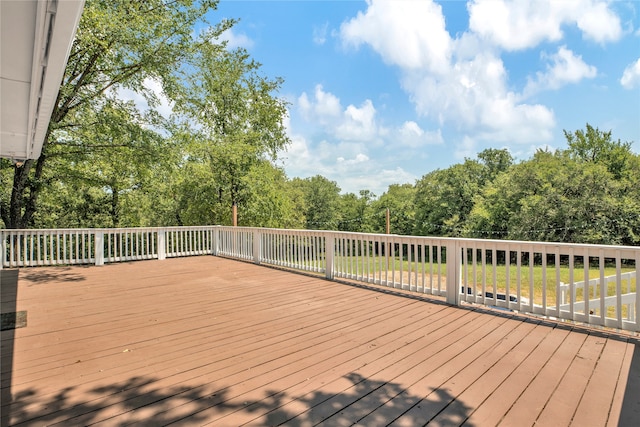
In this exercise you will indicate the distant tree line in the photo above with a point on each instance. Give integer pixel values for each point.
(105, 163)
(588, 192)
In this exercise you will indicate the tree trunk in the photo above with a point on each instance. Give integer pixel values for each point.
(115, 211)
(20, 178)
(23, 207)
(25, 192)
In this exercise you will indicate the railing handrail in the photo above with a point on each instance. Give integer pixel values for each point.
(107, 229)
(333, 232)
(444, 266)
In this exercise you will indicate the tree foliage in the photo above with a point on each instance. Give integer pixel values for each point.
(118, 45)
(105, 163)
(584, 194)
(233, 121)
(445, 198)
(595, 146)
(399, 200)
(355, 212)
(321, 202)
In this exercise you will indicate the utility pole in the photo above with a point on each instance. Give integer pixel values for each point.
(388, 222)
(235, 214)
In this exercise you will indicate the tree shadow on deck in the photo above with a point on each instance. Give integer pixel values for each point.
(11, 319)
(53, 274)
(139, 401)
(8, 300)
(367, 402)
(630, 413)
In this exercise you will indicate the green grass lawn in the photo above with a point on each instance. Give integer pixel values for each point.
(531, 280)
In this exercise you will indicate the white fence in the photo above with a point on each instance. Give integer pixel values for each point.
(594, 284)
(568, 292)
(29, 248)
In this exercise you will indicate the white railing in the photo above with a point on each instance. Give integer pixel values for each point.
(568, 292)
(552, 279)
(411, 263)
(30, 248)
(27, 248)
(594, 284)
(297, 249)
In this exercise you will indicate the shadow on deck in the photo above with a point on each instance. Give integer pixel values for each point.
(208, 403)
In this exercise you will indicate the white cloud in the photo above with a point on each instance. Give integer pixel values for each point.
(420, 41)
(373, 177)
(474, 95)
(412, 135)
(360, 158)
(631, 76)
(565, 68)
(599, 23)
(514, 25)
(297, 152)
(467, 148)
(352, 169)
(349, 124)
(320, 33)
(342, 151)
(461, 81)
(522, 24)
(324, 107)
(508, 122)
(358, 124)
(236, 40)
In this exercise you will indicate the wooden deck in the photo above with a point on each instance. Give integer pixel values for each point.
(211, 341)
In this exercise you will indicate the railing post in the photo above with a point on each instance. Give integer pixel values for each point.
(215, 241)
(3, 249)
(329, 248)
(636, 307)
(99, 247)
(257, 246)
(454, 260)
(161, 245)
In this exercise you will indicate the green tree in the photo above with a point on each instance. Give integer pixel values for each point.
(594, 145)
(117, 164)
(494, 162)
(399, 199)
(234, 117)
(445, 197)
(321, 202)
(119, 44)
(263, 201)
(355, 212)
(552, 197)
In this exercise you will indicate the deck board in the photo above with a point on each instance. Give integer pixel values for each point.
(211, 341)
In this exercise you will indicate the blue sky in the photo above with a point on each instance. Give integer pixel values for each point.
(383, 92)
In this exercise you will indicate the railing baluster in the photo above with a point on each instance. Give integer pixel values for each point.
(586, 288)
(378, 259)
(619, 289)
(572, 288)
(507, 265)
(636, 306)
(531, 279)
(544, 281)
(604, 292)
